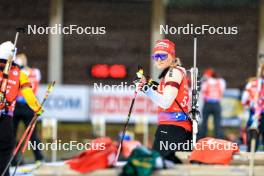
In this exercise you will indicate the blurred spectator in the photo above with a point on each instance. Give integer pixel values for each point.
(253, 99)
(212, 92)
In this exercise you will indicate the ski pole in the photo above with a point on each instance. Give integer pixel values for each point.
(29, 128)
(50, 87)
(139, 75)
(24, 147)
(33, 127)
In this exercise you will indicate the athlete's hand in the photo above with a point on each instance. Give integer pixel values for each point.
(140, 83)
(40, 112)
(139, 86)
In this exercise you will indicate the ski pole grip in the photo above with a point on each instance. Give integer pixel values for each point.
(21, 29)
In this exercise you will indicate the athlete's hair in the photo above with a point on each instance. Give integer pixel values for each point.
(178, 61)
(210, 72)
(175, 62)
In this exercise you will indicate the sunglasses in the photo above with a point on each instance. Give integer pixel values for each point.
(161, 56)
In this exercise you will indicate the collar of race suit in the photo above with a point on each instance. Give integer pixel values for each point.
(163, 73)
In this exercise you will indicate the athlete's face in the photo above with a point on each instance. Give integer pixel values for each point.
(165, 60)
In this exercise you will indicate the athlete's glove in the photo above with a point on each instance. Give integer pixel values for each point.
(145, 84)
(142, 83)
(40, 111)
(139, 83)
(153, 84)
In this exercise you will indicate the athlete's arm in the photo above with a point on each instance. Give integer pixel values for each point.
(28, 93)
(173, 80)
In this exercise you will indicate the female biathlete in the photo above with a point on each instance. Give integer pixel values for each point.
(174, 130)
